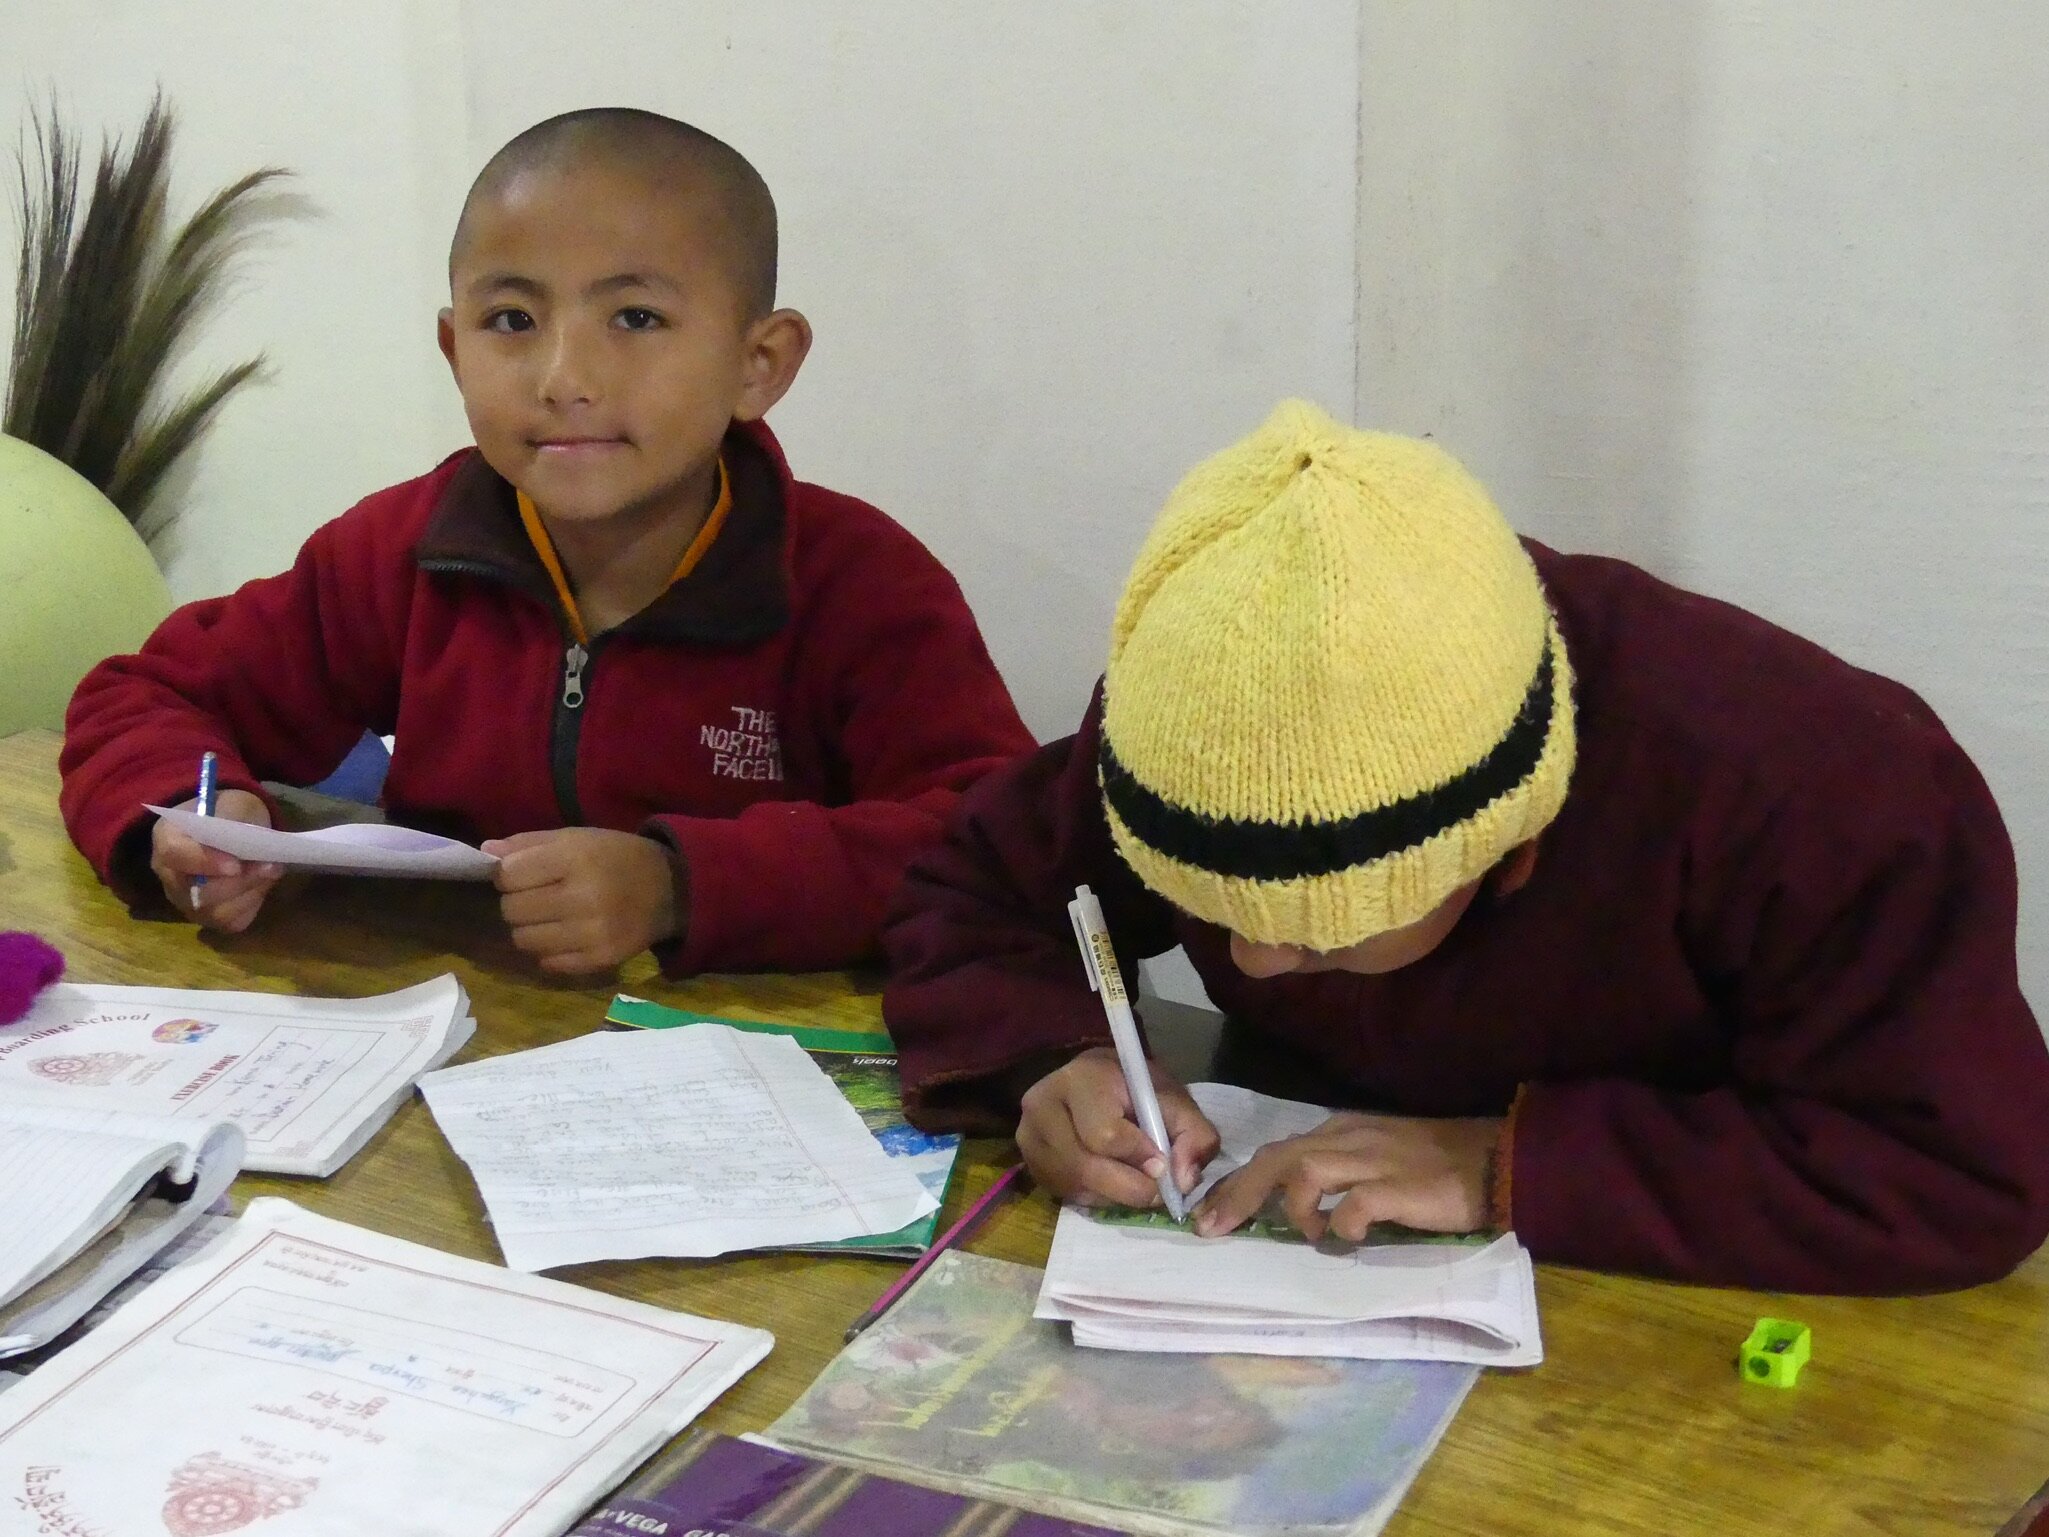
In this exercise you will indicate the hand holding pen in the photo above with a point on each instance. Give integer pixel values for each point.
(1082, 1128)
(214, 889)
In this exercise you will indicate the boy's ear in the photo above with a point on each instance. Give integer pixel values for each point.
(1515, 869)
(444, 333)
(776, 345)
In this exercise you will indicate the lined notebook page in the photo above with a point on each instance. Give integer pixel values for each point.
(60, 1188)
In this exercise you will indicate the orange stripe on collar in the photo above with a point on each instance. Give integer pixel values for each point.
(537, 531)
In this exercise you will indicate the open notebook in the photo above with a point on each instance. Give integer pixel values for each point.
(306, 1080)
(88, 1197)
(1153, 1285)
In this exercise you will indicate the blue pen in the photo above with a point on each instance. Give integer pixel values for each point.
(206, 794)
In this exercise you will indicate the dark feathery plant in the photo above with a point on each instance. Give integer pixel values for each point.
(105, 295)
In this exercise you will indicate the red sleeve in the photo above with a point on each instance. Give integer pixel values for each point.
(280, 679)
(1886, 1128)
(986, 988)
(914, 712)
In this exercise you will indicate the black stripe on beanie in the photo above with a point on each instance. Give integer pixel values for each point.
(1276, 851)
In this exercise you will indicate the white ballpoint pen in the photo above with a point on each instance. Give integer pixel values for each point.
(1099, 960)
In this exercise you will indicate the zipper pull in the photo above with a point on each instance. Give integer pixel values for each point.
(572, 676)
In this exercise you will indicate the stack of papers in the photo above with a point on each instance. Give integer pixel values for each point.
(306, 1378)
(1159, 1288)
(305, 1080)
(692, 1142)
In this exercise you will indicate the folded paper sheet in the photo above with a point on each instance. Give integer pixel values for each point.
(692, 1142)
(307, 1378)
(353, 848)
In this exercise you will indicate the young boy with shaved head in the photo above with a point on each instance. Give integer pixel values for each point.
(692, 703)
(1603, 910)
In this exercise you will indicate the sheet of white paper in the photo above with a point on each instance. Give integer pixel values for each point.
(688, 1142)
(1163, 1289)
(354, 848)
(306, 1079)
(321, 1380)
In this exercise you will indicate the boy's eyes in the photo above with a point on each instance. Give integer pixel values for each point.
(509, 320)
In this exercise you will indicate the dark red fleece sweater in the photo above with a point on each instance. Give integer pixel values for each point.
(1756, 1011)
(796, 716)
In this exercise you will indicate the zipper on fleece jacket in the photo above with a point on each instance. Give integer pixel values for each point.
(566, 729)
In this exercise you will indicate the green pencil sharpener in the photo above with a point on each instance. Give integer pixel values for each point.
(1775, 1352)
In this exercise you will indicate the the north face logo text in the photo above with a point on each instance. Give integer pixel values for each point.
(747, 749)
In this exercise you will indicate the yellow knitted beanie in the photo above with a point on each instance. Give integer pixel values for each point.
(1336, 693)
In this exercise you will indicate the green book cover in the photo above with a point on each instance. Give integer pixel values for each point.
(863, 1068)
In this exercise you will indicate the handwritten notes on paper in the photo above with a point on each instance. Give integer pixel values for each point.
(307, 1080)
(353, 848)
(689, 1142)
(332, 1381)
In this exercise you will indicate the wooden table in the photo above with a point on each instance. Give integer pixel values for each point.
(1922, 1416)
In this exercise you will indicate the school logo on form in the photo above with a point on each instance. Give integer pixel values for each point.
(748, 748)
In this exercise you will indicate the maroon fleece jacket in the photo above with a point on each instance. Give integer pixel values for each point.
(795, 717)
(1756, 1012)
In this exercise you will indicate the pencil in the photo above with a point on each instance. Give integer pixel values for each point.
(948, 1240)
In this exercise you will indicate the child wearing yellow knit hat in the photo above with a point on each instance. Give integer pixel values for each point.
(1623, 916)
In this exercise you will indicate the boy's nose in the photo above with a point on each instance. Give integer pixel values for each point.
(1257, 960)
(567, 377)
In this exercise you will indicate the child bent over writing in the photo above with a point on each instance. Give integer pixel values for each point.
(1620, 915)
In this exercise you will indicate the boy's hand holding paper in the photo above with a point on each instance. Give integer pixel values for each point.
(586, 898)
(235, 888)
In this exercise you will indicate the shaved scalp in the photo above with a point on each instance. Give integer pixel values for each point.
(674, 158)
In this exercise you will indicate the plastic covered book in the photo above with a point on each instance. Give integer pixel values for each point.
(863, 1068)
(959, 1387)
(712, 1484)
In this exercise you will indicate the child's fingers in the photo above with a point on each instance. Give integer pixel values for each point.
(234, 916)
(1233, 1200)
(531, 906)
(551, 937)
(1194, 1141)
(528, 868)
(175, 854)
(577, 963)
(231, 905)
(1368, 1202)
(1193, 1148)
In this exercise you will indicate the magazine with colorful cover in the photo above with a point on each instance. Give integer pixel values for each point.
(959, 1387)
(863, 1068)
(716, 1486)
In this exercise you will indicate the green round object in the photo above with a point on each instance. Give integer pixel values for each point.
(76, 585)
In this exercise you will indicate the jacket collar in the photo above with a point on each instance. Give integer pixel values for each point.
(737, 595)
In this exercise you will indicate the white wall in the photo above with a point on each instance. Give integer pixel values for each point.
(1755, 294)
(1053, 255)
(340, 297)
(1749, 292)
